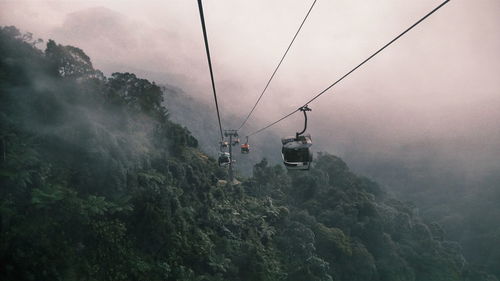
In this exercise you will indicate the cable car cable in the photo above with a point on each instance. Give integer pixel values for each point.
(278, 66)
(205, 37)
(377, 52)
(274, 123)
(354, 69)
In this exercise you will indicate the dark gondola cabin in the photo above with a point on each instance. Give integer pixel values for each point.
(296, 153)
(224, 144)
(224, 159)
(245, 148)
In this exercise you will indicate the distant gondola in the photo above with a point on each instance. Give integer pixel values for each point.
(245, 148)
(224, 159)
(224, 144)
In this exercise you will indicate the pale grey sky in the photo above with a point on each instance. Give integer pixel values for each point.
(439, 82)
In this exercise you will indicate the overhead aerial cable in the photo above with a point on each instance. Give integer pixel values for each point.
(278, 66)
(203, 27)
(352, 70)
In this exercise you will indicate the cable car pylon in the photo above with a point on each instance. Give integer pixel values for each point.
(233, 139)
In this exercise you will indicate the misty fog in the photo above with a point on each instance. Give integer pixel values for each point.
(420, 118)
(432, 96)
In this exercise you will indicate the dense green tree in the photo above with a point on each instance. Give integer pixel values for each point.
(96, 183)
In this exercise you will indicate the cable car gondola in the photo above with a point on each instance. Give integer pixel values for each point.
(245, 148)
(295, 151)
(224, 144)
(224, 159)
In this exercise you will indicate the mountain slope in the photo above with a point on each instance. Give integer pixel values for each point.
(98, 184)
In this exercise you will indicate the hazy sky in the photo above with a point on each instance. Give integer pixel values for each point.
(440, 83)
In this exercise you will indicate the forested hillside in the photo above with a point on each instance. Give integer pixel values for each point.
(466, 208)
(98, 184)
(204, 127)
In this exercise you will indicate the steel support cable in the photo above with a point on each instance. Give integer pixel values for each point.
(278, 66)
(354, 69)
(203, 27)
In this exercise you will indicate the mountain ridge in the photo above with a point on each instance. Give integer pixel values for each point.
(99, 184)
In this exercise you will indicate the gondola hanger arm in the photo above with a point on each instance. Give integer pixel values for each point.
(304, 109)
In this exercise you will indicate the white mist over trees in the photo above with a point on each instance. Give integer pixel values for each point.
(421, 119)
(82, 199)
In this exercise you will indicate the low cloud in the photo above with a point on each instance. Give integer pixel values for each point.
(435, 92)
